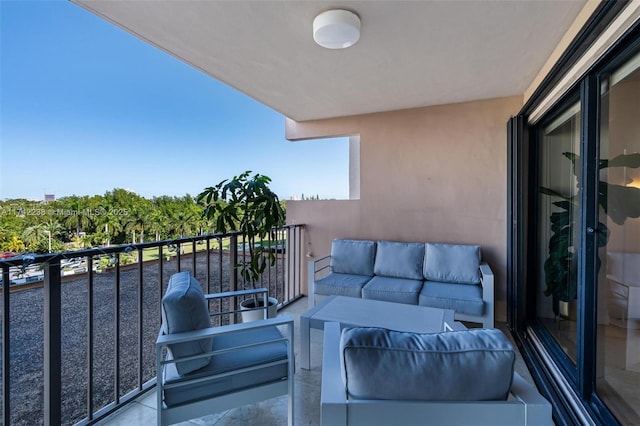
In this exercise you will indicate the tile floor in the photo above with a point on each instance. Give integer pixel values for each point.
(272, 412)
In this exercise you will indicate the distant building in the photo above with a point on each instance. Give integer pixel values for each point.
(49, 197)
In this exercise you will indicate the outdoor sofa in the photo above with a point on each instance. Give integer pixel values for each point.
(446, 276)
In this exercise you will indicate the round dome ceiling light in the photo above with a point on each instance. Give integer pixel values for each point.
(336, 29)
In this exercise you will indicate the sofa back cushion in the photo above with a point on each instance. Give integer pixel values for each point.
(469, 365)
(452, 263)
(399, 260)
(184, 309)
(353, 257)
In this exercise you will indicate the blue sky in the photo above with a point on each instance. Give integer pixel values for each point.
(86, 107)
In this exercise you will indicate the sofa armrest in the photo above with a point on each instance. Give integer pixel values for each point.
(487, 280)
(313, 268)
(333, 397)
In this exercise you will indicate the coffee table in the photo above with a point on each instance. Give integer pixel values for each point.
(355, 312)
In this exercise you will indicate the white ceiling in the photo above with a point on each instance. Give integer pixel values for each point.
(410, 53)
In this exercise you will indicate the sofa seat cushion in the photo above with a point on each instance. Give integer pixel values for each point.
(399, 290)
(230, 361)
(399, 260)
(463, 298)
(354, 257)
(341, 284)
(469, 365)
(452, 263)
(184, 308)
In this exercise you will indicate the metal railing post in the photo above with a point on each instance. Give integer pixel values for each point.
(6, 348)
(52, 343)
(90, 328)
(233, 261)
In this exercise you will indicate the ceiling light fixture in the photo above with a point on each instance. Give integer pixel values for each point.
(336, 29)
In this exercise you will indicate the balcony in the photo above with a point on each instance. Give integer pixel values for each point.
(79, 328)
(89, 335)
(99, 328)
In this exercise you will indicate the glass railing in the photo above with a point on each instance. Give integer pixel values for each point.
(79, 328)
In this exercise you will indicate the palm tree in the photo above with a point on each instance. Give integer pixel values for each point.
(111, 223)
(137, 220)
(33, 234)
(181, 223)
(75, 218)
(157, 223)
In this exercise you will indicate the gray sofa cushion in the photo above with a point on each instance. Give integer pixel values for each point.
(185, 309)
(399, 260)
(341, 284)
(463, 298)
(353, 257)
(230, 361)
(470, 365)
(452, 263)
(399, 290)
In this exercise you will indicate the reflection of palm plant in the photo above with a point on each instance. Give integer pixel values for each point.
(618, 202)
(246, 204)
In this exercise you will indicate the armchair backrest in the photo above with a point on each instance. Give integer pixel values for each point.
(184, 308)
(467, 365)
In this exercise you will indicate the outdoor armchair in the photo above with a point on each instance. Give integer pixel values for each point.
(373, 377)
(203, 369)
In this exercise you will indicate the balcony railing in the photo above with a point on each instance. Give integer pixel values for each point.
(79, 328)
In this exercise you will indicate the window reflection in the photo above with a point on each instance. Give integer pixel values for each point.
(556, 220)
(618, 332)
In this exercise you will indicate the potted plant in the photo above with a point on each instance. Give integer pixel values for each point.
(246, 204)
(617, 201)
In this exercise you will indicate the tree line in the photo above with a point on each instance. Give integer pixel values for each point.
(77, 222)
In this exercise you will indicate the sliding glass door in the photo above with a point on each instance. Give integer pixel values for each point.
(574, 280)
(618, 295)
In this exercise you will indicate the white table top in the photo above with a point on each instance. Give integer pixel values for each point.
(351, 311)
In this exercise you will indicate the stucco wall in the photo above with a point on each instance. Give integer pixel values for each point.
(433, 174)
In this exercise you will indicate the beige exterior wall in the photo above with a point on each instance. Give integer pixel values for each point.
(435, 174)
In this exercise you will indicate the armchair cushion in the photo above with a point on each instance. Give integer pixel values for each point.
(184, 309)
(469, 365)
(354, 257)
(452, 263)
(253, 356)
(399, 260)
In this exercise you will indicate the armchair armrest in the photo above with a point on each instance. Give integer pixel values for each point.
(333, 395)
(538, 408)
(164, 340)
(222, 295)
(487, 280)
(313, 267)
(167, 339)
(229, 294)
